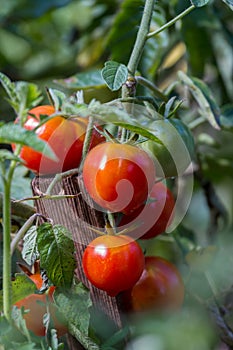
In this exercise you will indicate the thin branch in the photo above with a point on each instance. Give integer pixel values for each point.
(170, 23)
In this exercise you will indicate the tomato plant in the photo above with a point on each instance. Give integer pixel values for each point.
(154, 217)
(118, 176)
(113, 263)
(35, 306)
(160, 287)
(65, 136)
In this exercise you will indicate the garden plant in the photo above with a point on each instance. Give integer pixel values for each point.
(124, 238)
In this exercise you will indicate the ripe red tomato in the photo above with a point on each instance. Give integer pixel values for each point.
(36, 306)
(155, 216)
(160, 287)
(64, 136)
(113, 263)
(118, 176)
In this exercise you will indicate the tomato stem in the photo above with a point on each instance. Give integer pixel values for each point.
(22, 232)
(141, 37)
(7, 180)
(87, 141)
(170, 23)
(138, 47)
(145, 82)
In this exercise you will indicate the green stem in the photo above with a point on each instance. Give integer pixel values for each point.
(87, 141)
(152, 87)
(170, 23)
(6, 252)
(7, 242)
(139, 44)
(141, 37)
(22, 232)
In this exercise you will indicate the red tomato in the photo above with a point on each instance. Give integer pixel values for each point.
(118, 176)
(36, 306)
(155, 216)
(64, 136)
(113, 263)
(160, 287)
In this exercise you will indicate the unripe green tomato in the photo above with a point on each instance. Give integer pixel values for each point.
(174, 156)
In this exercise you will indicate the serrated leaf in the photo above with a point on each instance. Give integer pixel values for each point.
(75, 305)
(29, 251)
(28, 94)
(203, 96)
(56, 250)
(14, 133)
(199, 3)
(8, 86)
(115, 74)
(22, 95)
(229, 3)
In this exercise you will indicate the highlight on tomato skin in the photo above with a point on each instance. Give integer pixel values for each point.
(160, 288)
(113, 263)
(152, 218)
(118, 177)
(64, 135)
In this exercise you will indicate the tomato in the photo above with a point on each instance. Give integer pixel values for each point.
(36, 306)
(118, 176)
(160, 287)
(154, 217)
(113, 263)
(175, 154)
(64, 136)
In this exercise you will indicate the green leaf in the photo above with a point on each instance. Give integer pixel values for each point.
(84, 80)
(17, 316)
(22, 286)
(14, 133)
(8, 86)
(115, 74)
(56, 250)
(29, 93)
(226, 119)
(7, 155)
(229, 3)
(199, 3)
(75, 305)
(29, 251)
(57, 98)
(118, 116)
(116, 338)
(22, 95)
(203, 96)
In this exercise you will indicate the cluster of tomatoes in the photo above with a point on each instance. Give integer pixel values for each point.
(121, 179)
